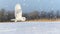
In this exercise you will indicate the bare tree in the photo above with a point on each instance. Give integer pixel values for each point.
(34, 15)
(43, 14)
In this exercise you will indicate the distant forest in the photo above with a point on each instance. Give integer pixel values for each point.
(6, 16)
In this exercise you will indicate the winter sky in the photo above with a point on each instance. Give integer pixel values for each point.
(31, 5)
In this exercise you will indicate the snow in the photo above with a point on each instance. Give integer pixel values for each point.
(30, 28)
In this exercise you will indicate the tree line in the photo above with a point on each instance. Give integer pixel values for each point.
(6, 16)
(43, 15)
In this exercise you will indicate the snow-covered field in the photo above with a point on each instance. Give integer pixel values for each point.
(30, 28)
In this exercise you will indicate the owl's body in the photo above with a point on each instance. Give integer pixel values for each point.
(18, 13)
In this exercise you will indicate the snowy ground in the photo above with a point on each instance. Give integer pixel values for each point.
(30, 28)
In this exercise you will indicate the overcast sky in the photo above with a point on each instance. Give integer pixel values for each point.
(30, 5)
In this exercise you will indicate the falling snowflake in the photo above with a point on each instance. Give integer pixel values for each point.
(52, 8)
(24, 0)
